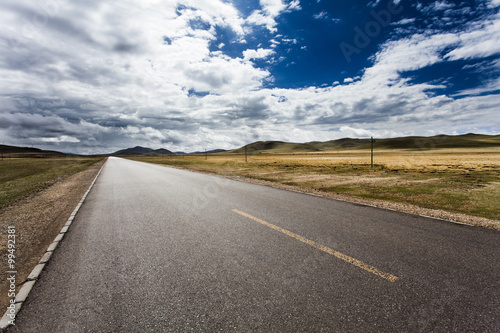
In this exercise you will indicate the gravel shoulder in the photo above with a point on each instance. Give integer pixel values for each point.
(38, 219)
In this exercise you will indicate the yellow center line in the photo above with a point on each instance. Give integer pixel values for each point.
(353, 261)
(168, 181)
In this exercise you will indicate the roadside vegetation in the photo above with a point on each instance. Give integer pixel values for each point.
(461, 180)
(20, 177)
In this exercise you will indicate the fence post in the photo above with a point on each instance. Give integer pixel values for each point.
(372, 142)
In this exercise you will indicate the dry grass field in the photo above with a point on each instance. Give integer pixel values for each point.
(461, 180)
(22, 176)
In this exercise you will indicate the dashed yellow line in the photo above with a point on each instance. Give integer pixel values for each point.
(353, 261)
(168, 181)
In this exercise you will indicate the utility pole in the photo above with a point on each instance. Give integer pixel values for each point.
(246, 160)
(206, 156)
(372, 142)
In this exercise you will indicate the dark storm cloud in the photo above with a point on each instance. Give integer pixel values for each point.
(32, 21)
(249, 108)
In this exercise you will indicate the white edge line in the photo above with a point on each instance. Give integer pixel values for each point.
(9, 317)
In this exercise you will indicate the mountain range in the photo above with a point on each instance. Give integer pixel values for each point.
(411, 142)
(138, 151)
(13, 151)
(279, 147)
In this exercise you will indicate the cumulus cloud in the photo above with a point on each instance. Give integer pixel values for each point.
(90, 77)
(257, 54)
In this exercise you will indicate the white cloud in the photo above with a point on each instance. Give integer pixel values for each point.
(355, 132)
(437, 6)
(270, 10)
(425, 49)
(294, 5)
(404, 21)
(222, 74)
(478, 43)
(321, 15)
(257, 54)
(494, 3)
(62, 138)
(415, 52)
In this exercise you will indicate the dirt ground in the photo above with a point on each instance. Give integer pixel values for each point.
(38, 219)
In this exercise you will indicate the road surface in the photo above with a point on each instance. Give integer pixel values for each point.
(157, 249)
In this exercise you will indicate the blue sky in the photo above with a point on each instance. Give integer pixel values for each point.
(96, 76)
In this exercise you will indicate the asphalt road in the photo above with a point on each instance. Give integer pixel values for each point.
(157, 249)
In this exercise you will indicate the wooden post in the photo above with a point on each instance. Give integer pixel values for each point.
(372, 142)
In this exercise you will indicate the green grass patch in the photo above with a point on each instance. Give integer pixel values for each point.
(20, 177)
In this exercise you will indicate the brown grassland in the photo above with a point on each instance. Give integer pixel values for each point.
(462, 180)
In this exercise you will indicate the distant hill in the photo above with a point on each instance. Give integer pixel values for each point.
(139, 151)
(345, 143)
(13, 151)
(213, 151)
(162, 151)
(276, 147)
(411, 142)
(439, 141)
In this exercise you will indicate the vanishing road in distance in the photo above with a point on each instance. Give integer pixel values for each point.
(158, 249)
